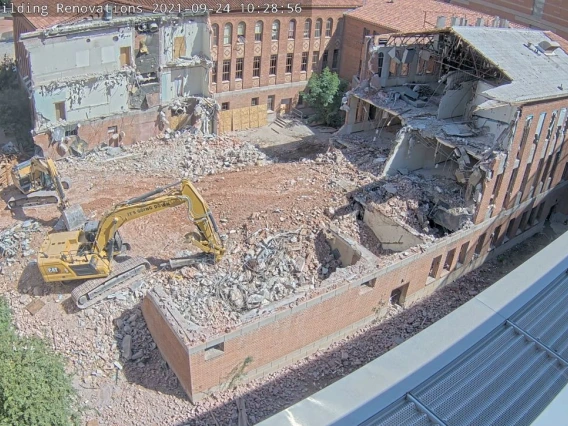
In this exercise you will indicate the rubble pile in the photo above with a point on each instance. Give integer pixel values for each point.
(263, 269)
(367, 154)
(176, 153)
(17, 240)
(411, 199)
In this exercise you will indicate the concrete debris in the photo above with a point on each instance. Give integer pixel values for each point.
(261, 270)
(16, 241)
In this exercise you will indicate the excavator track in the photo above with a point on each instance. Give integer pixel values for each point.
(93, 291)
(35, 199)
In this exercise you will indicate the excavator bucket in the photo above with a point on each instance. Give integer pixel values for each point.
(73, 218)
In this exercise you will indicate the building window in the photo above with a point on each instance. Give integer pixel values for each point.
(215, 34)
(463, 254)
(307, 28)
(565, 172)
(214, 351)
(275, 30)
(227, 70)
(273, 63)
(539, 127)
(270, 102)
(304, 61)
(525, 136)
(256, 66)
(60, 111)
(449, 260)
(300, 100)
(125, 58)
(225, 106)
(258, 31)
(479, 245)
(398, 295)
(228, 34)
(254, 102)
(393, 68)
(315, 60)
(179, 47)
(328, 27)
(112, 130)
(292, 29)
(317, 33)
(214, 73)
(380, 62)
(324, 60)
(289, 59)
(241, 32)
(335, 59)
(239, 68)
(495, 237)
(497, 187)
(404, 70)
(435, 266)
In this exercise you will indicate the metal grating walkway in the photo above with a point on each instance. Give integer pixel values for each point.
(508, 378)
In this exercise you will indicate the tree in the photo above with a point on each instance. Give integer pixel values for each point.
(34, 388)
(325, 91)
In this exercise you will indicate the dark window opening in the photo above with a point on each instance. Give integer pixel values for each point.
(226, 70)
(289, 59)
(324, 59)
(372, 112)
(315, 60)
(398, 295)
(335, 59)
(449, 259)
(256, 66)
(435, 266)
(479, 245)
(565, 172)
(239, 68)
(254, 102)
(214, 351)
(225, 106)
(214, 73)
(304, 61)
(380, 63)
(463, 253)
(495, 237)
(273, 63)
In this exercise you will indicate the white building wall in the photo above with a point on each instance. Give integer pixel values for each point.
(82, 102)
(72, 56)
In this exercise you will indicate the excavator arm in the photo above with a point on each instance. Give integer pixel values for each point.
(156, 201)
(47, 166)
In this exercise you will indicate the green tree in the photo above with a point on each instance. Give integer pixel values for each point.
(34, 387)
(325, 91)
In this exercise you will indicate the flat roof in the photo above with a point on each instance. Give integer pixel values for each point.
(534, 74)
(501, 358)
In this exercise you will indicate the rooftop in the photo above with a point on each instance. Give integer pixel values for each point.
(535, 74)
(411, 15)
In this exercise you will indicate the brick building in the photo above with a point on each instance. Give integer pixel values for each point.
(385, 17)
(479, 114)
(544, 14)
(267, 58)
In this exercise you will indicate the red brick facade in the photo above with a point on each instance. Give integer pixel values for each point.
(240, 92)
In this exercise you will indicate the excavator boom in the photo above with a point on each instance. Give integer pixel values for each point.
(89, 254)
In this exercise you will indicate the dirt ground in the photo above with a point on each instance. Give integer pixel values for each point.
(280, 196)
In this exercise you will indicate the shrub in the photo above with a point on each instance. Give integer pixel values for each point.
(34, 387)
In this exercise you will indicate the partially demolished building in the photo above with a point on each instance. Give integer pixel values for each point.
(114, 77)
(477, 164)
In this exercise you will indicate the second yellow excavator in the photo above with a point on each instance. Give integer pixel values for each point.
(89, 254)
(39, 182)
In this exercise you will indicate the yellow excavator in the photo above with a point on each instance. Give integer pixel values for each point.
(89, 254)
(39, 182)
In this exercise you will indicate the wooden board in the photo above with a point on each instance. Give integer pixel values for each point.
(245, 118)
(262, 115)
(237, 119)
(225, 121)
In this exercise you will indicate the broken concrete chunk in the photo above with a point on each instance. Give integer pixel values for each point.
(127, 347)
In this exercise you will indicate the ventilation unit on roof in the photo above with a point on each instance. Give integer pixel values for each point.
(548, 47)
(504, 23)
(441, 22)
(479, 22)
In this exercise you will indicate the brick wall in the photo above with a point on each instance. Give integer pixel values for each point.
(529, 161)
(276, 341)
(352, 45)
(283, 85)
(553, 15)
(136, 126)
